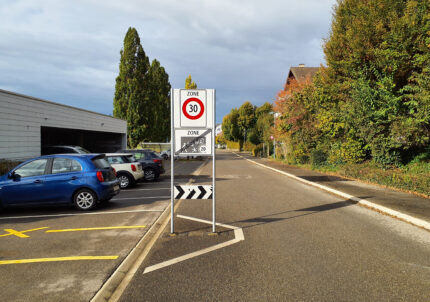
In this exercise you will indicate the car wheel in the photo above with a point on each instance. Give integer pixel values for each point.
(124, 181)
(165, 157)
(150, 175)
(85, 199)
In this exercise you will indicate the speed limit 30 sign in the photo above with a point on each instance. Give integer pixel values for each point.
(193, 108)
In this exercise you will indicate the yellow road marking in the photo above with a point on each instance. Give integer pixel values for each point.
(72, 258)
(20, 234)
(99, 228)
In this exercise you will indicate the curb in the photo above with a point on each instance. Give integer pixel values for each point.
(363, 202)
(118, 281)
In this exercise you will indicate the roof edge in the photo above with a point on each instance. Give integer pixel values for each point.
(54, 103)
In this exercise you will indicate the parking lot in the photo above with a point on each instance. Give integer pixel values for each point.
(62, 254)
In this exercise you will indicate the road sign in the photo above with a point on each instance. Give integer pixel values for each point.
(193, 192)
(193, 108)
(192, 133)
(193, 141)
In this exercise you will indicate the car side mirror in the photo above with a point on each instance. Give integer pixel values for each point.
(11, 175)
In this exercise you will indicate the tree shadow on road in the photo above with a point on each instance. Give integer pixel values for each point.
(256, 221)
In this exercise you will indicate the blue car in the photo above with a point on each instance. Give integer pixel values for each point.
(81, 179)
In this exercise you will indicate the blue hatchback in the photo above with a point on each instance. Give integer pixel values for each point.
(82, 179)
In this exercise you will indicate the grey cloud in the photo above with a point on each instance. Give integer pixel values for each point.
(68, 51)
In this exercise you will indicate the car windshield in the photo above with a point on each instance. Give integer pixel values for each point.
(101, 163)
(130, 158)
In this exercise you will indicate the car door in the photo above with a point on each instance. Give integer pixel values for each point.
(27, 185)
(63, 179)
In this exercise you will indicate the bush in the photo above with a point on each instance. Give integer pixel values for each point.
(258, 150)
(318, 158)
(248, 146)
(233, 145)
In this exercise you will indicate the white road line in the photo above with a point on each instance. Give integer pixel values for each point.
(130, 198)
(158, 189)
(238, 234)
(399, 215)
(79, 214)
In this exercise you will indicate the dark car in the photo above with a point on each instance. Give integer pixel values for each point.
(152, 164)
(63, 150)
(82, 179)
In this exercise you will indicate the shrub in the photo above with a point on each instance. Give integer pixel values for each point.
(233, 145)
(318, 158)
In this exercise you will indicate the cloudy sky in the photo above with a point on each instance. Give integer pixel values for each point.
(68, 51)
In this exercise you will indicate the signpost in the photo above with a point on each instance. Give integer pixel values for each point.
(192, 134)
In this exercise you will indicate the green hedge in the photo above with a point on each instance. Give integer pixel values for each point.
(234, 145)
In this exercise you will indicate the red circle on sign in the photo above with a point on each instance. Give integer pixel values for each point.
(195, 117)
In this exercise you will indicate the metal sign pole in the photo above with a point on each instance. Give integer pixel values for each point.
(213, 163)
(172, 162)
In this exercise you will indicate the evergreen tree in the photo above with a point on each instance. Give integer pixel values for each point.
(159, 97)
(189, 83)
(129, 100)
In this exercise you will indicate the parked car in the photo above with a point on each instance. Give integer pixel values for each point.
(165, 154)
(63, 150)
(128, 169)
(152, 164)
(82, 179)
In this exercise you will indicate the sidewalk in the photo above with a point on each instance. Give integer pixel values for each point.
(405, 203)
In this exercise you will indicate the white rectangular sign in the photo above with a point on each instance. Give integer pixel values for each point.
(193, 108)
(193, 141)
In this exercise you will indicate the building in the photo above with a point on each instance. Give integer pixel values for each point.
(28, 123)
(218, 129)
(301, 74)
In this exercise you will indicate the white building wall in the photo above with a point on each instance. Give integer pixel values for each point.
(21, 119)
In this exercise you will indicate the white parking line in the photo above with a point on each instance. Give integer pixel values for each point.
(238, 236)
(148, 189)
(130, 198)
(78, 214)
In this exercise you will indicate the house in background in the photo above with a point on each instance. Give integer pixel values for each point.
(301, 74)
(218, 129)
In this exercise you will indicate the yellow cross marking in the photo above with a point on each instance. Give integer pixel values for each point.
(73, 258)
(20, 234)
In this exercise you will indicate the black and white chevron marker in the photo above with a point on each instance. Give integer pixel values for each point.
(193, 192)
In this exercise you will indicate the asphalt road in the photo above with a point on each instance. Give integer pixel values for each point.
(300, 244)
(38, 234)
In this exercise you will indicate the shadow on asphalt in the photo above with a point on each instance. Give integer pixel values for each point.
(256, 221)
(323, 178)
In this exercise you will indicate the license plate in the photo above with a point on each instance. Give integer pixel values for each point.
(116, 188)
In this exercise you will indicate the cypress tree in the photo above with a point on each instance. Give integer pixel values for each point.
(159, 97)
(131, 84)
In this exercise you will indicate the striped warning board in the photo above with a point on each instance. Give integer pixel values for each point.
(193, 192)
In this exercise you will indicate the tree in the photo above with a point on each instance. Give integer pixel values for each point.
(246, 119)
(142, 94)
(129, 99)
(159, 98)
(264, 123)
(189, 83)
(230, 126)
(377, 54)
